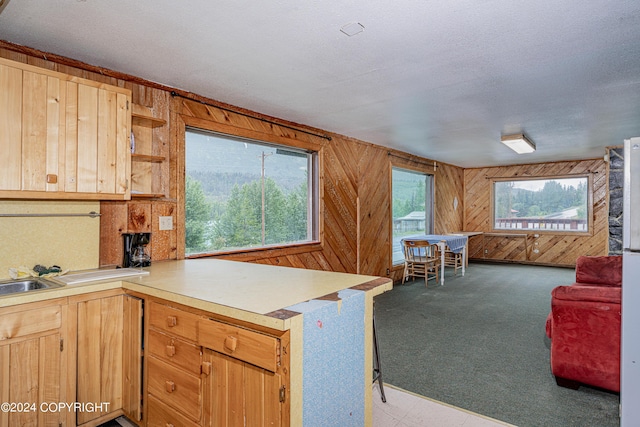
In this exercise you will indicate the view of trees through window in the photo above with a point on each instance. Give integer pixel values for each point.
(411, 207)
(244, 194)
(541, 204)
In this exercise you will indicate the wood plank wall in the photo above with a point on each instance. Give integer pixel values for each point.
(555, 248)
(356, 178)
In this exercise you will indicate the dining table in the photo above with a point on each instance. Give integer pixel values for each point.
(455, 243)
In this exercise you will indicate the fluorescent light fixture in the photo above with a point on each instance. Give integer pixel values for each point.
(518, 143)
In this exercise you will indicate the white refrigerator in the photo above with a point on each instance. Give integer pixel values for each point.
(630, 358)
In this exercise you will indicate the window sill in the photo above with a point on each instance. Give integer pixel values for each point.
(255, 254)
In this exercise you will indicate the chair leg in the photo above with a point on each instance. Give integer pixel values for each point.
(405, 273)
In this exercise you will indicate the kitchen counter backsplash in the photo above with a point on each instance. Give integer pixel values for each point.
(72, 242)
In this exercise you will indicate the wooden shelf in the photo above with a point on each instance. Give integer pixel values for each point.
(148, 121)
(147, 158)
(145, 161)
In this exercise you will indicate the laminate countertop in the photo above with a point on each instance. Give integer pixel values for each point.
(255, 293)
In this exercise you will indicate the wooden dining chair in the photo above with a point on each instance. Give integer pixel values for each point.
(421, 259)
(452, 259)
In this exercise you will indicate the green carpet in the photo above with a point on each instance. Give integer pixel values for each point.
(479, 343)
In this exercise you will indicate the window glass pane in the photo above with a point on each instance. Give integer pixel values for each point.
(246, 194)
(541, 204)
(411, 205)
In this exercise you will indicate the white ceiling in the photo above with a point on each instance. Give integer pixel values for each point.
(439, 79)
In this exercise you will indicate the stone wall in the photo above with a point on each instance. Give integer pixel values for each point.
(616, 195)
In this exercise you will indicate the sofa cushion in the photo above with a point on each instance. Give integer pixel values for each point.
(599, 270)
(583, 293)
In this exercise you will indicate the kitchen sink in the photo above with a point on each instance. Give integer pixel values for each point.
(12, 286)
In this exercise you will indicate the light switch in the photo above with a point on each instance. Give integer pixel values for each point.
(166, 223)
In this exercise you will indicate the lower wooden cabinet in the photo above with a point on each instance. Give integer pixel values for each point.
(88, 349)
(238, 393)
(161, 415)
(204, 372)
(105, 372)
(33, 359)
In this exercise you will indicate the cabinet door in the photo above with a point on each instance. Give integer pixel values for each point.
(30, 371)
(61, 136)
(109, 355)
(240, 394)
(132, 358)
(100, 323)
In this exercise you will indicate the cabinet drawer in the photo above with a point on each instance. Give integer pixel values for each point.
(160, 415)
(173, 320)
(249, 346)
(174, 350)
(13, 325)
(176, 388)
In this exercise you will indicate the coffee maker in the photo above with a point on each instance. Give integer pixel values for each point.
(135, 253)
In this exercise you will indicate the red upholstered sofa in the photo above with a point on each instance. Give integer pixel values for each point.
(584, 325)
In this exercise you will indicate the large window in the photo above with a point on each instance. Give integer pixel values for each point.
(247, 194)
(551, 204)
(412, 207)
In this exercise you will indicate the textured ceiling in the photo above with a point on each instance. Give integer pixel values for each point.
(441, 80)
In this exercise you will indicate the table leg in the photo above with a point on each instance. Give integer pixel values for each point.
(464, 258)
(442, 246)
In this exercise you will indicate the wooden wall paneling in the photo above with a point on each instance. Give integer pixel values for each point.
(511, 247)
(476, 246)
(374, 196)
(140, 219)
(449, 198)
(554, 248)
(14, 55)
(113, 222)
(175, 152)
(340, 197)
(348, 185)
(163, 242)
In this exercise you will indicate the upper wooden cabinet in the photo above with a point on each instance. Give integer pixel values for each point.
(62, 137)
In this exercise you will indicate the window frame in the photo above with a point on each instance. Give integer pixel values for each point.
(492, 205)
(316, 243)
(429, 196)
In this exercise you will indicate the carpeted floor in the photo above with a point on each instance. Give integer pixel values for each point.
(479, 343)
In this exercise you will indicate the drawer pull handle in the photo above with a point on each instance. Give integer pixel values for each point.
(170, 350)
(231, 343)
(171, 321)
(206, 368)
(169, 386)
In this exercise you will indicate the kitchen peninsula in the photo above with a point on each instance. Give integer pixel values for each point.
(225, 340)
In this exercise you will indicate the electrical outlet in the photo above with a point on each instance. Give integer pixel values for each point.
(166, 223)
